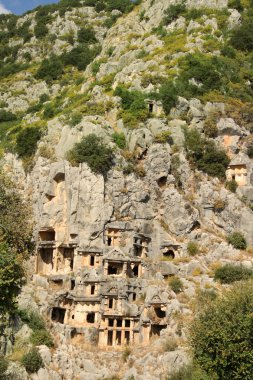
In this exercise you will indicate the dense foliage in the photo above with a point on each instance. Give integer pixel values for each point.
(15, 243)
(237, 240)
(32, 361)
(205, 154)
(133, 105)
(50, 69)
(221, 335)
(11, 277)
(230, 273)
(27, 140)
(94, 152)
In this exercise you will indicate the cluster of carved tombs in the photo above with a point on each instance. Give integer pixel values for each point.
(99, 294)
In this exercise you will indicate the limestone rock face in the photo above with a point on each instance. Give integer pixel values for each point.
(113, 274)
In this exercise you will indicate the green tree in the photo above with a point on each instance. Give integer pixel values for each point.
(221, 335)
(15, 225)
(94, 152)
(11, 277)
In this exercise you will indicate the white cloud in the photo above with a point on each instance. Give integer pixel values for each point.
(3, 10)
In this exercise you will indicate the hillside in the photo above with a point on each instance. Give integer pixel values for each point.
(127, 127)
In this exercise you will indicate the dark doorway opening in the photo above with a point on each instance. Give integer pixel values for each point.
(58, 314)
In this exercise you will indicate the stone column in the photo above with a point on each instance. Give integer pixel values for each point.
(106, 268)
(124, 272)
(55, 260)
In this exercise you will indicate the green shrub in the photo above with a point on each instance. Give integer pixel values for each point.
(27, 140)
(163, 138)
(7, 116)
(95, 67)
(231, 185)
(41, 337)
(192, 248)
(94, 152)
(80, 56)
(134, 106)
(131, 100)
(32, 319)
(40, 30)
(173, 12)
(176, 284)
(86, 35)
(205, 155)
(230, 273)
(236, 4)
(34, 108)
(50, 69)
(32, 361)
(44, 98)
(119, 139)
(49, 111)
(210, 127)
(242, 37)
(221, 334)
(168, 94)
(76, 118)
(237, 240)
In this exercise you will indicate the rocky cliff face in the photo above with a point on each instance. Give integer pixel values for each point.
(107, 249)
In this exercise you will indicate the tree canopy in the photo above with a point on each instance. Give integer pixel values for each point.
(15, 242)
(221, 335)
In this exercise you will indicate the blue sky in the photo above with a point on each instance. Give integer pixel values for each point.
(21, 6)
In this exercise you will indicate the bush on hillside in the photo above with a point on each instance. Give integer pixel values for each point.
(27, 140)
(40, 30)
(76, 118)
(192, 248)
(176, 284)
(221, 334)
(237, 240)
(86, 35)
(50, 69)
(230, 273)
(80, 56)
(231, 185)
(32, 361)
(41, 337)
(168, 94)
(130, 100)
(94, 152)
(205, 155)
(32, 319)
(242, 37)
(173, 12)
(7, 116)
(119, 139)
